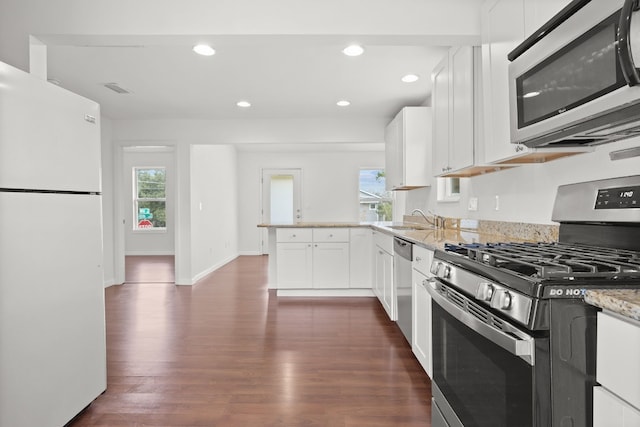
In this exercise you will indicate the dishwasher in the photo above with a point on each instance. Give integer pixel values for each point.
(402, 281)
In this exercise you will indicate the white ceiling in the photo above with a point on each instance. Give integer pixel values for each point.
(299, 76)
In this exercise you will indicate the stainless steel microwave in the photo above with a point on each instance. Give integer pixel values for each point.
(574, 82)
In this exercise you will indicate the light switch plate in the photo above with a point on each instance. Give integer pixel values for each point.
(473, 204)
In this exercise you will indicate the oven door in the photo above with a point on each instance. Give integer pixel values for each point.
(485, 370)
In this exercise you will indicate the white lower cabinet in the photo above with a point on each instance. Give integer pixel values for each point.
(617, 400)
(609, 410)
(294, 258)
(421, 340)
(330, 265)
(360, 259)
(383, 267)
(324, 258)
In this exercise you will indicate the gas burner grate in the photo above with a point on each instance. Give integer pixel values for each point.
(553, 260)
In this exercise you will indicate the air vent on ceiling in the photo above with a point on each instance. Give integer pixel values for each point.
(116, 88)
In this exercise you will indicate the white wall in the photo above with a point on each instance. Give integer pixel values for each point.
(214, 208)
(255, 131)
(330, 182)
(527, 192)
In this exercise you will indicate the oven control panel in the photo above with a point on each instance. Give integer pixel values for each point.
(618, 198)
(510, 303)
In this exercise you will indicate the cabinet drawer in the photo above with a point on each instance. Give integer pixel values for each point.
(617, 367)
(609, 411)
(422, 258)
(383, 241)
(284, 235)
(331, 235)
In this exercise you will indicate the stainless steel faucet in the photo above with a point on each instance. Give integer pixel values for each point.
(436, 221)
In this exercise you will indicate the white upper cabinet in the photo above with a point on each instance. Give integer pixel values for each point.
(453, 111)
(408, 149)
(538, 12)
(506, 24)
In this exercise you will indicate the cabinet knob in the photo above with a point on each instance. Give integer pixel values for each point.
(293, 236)
(330, 235)
(418, 259)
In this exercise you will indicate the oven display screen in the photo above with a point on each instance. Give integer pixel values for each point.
(618, 198)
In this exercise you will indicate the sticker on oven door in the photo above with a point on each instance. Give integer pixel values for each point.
(563, 292)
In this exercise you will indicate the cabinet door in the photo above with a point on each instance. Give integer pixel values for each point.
(502, 31)
(389, 294)
(440, 103)
(538, 12)
(609, 410)
(461, 150)
(393, 154)
(421, 343)
(617, 358)
(378, 274)
(360, 258)
(330, 265)
(416, 149)
(294, 265)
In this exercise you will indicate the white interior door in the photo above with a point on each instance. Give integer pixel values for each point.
(281, 199)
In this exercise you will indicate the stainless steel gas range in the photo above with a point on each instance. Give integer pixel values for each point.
(513, 340)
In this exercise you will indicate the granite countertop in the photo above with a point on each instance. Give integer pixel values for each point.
(625, 302)
(423, 235)
(319, 225)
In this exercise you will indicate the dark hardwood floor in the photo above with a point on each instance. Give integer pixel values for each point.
(149, 269)
(228, 352)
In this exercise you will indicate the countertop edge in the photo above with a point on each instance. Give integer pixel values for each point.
(625, 302)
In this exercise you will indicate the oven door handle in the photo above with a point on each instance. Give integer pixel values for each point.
(513, 340)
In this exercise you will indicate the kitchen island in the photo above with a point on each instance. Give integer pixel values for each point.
(347, 247)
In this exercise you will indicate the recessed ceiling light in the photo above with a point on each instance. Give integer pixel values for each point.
(343, 103)
(353, 50)
(410, 78)
(243, 104)
(203, 49)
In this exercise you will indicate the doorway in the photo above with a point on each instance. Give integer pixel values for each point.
(144, 215)
(281, 199)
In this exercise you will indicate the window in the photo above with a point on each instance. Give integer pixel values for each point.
(448, 189)
(376, 203)
(150, 198)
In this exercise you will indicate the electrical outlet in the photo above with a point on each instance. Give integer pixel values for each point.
(497, 203)
(473, 204)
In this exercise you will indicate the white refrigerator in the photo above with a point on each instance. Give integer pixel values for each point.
(52, 317)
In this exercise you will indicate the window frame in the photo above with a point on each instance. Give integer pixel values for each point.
(137, 200)
(445, 190)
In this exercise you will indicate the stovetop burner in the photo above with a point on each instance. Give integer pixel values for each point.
(553, 260)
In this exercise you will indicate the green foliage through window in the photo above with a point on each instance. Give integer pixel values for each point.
(376, 203)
